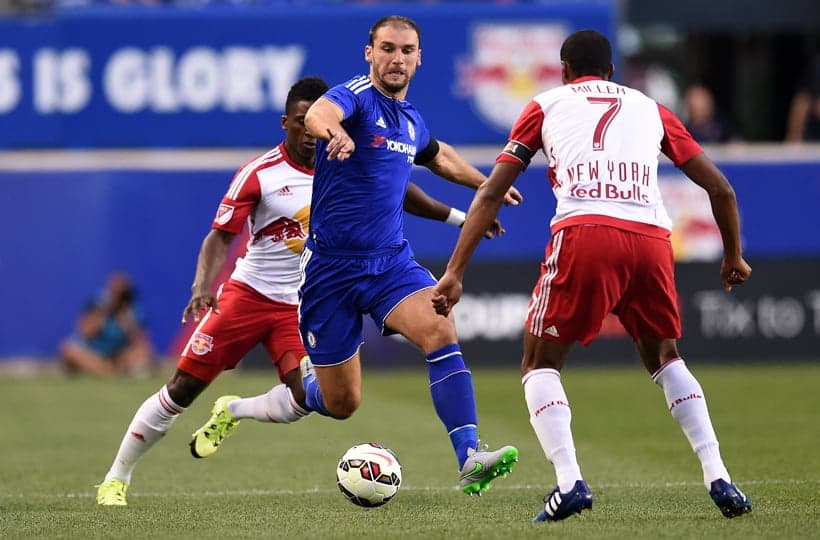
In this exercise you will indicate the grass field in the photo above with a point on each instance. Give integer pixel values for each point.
(59, 436)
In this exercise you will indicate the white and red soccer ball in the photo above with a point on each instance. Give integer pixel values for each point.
(369, 475)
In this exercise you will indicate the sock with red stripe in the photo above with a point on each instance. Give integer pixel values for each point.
(686, 402)
(151, 421)
(550, 417)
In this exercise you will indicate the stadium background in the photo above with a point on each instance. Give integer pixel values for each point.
(117, 143)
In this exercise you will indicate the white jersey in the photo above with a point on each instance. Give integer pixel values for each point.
(273, 194)
(602, 141)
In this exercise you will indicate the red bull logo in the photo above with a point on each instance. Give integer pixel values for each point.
(281, 230)
(510, 64)
(201, 343)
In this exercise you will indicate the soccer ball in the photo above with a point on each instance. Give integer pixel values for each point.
(369, 475)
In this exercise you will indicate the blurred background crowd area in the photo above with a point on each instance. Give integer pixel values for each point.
(733, 70)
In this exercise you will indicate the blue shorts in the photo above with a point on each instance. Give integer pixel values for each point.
(338, 288)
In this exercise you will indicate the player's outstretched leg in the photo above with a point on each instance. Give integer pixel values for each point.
(150, 423)
(451, 387)
(483, 466)
(206, 440)
(277, 406)
(731, 501)
(558, 506)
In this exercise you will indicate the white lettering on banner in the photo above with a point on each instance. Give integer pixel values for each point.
(721, 316)
(243, 91)
(201, 78)
(9, 81)
(493, 317)
(123, 80)
(281, 69)
(61, 83)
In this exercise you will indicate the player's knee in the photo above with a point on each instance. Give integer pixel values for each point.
(442, 333)
(184, 388)
(344, 405)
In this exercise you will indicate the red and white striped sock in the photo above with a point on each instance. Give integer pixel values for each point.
(685, 400)
(550, 417)
(151, 421)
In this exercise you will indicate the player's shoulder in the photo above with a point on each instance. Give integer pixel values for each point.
(357, 85)
(273, 157)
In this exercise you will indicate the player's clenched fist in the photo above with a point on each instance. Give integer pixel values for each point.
(446, 294)
(734, 271)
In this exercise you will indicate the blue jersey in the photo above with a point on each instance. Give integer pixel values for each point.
(357, 203)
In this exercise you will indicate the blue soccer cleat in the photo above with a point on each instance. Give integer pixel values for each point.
(558, 506)
(731, 501)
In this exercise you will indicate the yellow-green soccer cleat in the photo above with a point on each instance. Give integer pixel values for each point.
(483, 466)
(220, 425)
(112, 493)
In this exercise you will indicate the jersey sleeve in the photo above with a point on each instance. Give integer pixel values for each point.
(239, 201)
(525, 136)
(344, 97)
(677, 144)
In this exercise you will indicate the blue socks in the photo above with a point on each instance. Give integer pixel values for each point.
(313, 397)
(451, 386)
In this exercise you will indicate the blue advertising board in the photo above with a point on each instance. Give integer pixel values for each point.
(66, 230)
(218, 77)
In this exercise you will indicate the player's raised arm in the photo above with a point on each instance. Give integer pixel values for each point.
(449, 164)
(324, 121)
(483, 210)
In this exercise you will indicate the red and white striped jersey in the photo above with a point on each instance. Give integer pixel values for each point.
(273, 194)
(602, 141)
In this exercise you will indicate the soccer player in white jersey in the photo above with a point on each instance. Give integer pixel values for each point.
(258, 304)
(609, 252)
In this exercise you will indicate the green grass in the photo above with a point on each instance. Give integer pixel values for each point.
(59, 436)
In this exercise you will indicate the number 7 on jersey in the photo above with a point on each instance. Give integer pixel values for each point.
(614, 105)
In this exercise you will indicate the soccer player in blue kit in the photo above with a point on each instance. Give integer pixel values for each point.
(356, 260)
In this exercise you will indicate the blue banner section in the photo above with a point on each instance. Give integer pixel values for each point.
(66, 230)
(147, 77)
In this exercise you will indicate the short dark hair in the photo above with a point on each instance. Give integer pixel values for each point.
(393, 19)
(587, 52)
(305, 89)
